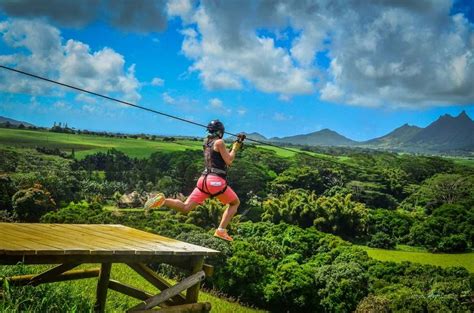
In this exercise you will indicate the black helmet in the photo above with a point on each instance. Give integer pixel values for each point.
(216, 126)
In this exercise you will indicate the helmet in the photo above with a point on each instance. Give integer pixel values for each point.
(215, 126)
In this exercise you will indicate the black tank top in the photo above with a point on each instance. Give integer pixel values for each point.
(213, 161)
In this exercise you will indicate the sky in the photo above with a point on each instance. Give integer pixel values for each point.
(276, 67)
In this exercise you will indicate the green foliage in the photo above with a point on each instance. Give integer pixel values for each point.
(32, 203)
(396, 224)
(247, 273)
(382, 240)
(373, 304)
(7, 190)
(338, 214)
(291, 286)
(453, 243)
(206, 215)
(78, 213)
(340, 286)
(298, 178)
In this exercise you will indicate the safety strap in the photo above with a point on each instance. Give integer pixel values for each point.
(207, 192)
(214, 170)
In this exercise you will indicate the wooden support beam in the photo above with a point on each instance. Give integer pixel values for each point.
(102, 287)
(52, 273)
(170, 292)
(152, 277)
(129, 290)
(69, 275)
(202, 307)
(208, 269)
(193, 291)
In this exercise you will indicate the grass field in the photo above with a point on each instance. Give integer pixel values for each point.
(89, 144)
(416, 255)
(117, 302)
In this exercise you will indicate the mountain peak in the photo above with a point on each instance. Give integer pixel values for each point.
(463, 115)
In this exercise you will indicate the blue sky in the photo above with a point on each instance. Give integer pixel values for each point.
(278, 70)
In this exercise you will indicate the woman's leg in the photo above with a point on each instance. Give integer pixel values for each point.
(229, 213)
(183, 207)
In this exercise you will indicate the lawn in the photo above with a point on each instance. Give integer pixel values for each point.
(416, 255)
(89, 144)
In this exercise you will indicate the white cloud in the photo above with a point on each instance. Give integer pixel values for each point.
(101, 71)
(168, 99)
(156, 81)
(217, 105)
(385, 53)
(137, 15)
(280, 117)
(242, 111)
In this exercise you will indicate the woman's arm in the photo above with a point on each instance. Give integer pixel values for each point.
(227, 156)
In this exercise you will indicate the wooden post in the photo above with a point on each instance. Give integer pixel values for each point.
(102, 287)
(69, 275)
(170, 292)
(153, 278)
(193, 292)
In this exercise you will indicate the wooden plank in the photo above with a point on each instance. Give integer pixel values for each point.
(102, 287)
(69, 238)
(39, 244)
(202, 307)
(153, 278)
(24, 244)
(170, 292)
(132, 245)
(110, 244)
(53, 272)
(193, 291)
(174, 260)
(69, 275)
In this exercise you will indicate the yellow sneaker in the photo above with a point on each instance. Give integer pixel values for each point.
(154, 202)
(222, 234)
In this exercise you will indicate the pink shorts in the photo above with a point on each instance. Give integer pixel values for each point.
(214, 184)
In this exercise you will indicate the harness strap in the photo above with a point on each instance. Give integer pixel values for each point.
(204, 185)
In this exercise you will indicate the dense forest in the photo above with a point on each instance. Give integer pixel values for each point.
(297, 225)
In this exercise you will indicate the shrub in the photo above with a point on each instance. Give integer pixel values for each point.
(453, 243)
(32, 203)
(382, 240)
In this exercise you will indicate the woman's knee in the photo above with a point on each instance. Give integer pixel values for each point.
(235, 203)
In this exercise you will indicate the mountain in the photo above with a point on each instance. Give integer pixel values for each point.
(324, 137)
(256, 136)
(13, 122)
(446, 133)
(396, 138)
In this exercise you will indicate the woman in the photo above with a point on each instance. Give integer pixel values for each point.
(212, 182)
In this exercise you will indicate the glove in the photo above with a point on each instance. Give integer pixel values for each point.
(241, 138)
(236, 146)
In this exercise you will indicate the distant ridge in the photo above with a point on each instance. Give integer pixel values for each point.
(324, 137)
(14, 122)
(448, 134)
(396, 138)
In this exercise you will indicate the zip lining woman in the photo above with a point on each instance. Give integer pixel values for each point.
(212, 183)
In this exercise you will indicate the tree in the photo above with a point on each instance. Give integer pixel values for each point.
(32, 203)
(382, 240)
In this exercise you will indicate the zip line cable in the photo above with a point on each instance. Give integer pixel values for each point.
(148, 109)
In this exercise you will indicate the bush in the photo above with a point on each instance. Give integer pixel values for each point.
(32, 203)
(373, 304)
(78, 213)
(382, 240)
(453, 243)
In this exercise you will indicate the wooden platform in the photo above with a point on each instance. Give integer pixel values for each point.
(74, 244)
